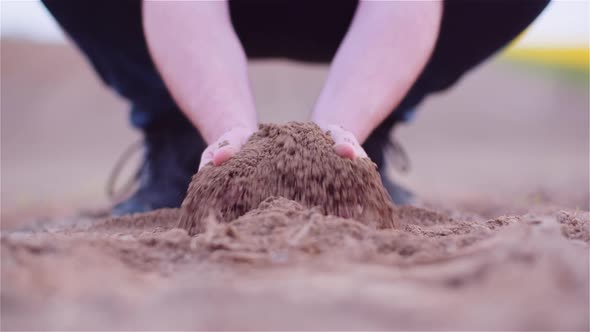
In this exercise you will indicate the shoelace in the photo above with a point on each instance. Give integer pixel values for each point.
(118, 195)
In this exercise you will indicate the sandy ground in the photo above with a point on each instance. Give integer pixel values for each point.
(291, 268)
(501, 163)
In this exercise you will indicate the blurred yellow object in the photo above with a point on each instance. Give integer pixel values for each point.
(577, 58)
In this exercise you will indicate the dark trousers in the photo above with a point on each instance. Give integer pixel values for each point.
(110, 34)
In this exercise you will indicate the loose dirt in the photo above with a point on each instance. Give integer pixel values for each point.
(285, 266)
(295, 161)
(287, 235)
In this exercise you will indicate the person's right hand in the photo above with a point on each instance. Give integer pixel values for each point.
(226, 146)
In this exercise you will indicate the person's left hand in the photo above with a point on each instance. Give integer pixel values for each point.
(345, 143)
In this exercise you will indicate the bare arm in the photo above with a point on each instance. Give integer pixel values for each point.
(385, 50)
(204, 66)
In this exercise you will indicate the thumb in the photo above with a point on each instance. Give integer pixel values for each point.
(345, 143)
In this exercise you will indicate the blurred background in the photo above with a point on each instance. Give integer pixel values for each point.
(514, 132)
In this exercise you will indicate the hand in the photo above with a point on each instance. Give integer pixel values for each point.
(345, 144)
(226, 146)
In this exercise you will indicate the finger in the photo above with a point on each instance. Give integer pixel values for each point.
(206, 158)
(224, 154)
(361, 153)
(345, 150)
(346, 145)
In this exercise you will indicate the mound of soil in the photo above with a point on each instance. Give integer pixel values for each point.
(296, 161)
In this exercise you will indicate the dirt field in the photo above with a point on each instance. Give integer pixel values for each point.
(443, 271)
(500, 242)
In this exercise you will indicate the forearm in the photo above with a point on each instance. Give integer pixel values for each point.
(380, 58)
(202, 62)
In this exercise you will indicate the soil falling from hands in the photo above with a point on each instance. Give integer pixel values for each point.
(296, 161)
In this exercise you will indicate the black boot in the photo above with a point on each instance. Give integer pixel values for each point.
(386, 152)
(171, 157)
